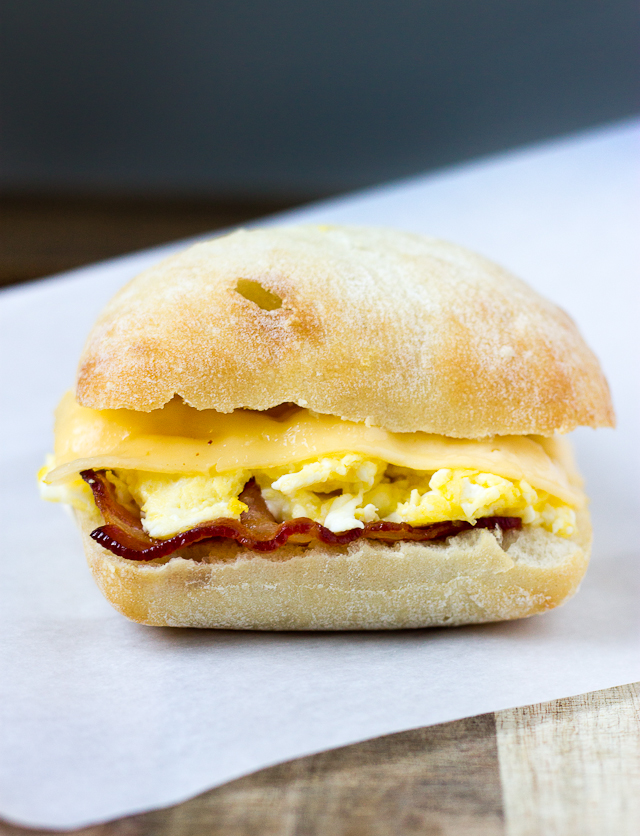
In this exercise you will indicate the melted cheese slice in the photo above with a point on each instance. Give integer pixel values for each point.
(181, 439)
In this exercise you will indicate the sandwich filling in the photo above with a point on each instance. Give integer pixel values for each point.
(176, 470)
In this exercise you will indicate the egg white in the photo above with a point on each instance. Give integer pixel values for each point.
(342, 492)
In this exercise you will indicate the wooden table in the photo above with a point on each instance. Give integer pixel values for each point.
(565, 768)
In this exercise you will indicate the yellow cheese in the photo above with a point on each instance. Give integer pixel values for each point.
(180, 439)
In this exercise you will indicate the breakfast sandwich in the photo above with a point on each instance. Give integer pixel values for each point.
(329, 428)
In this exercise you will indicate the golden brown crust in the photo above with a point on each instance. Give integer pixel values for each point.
(407, 332)
(470, 578)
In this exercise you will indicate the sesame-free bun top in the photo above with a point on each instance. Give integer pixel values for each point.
(399, 330)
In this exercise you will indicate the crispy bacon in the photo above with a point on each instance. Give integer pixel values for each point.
(256, 529)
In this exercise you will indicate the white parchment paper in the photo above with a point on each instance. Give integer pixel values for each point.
(100, 717)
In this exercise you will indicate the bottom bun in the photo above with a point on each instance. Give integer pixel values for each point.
(474, 577)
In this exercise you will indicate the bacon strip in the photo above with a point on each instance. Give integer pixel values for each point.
(256, 529)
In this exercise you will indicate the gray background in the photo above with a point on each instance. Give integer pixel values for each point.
(292, 97)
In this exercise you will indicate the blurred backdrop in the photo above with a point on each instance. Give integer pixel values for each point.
(152, 120)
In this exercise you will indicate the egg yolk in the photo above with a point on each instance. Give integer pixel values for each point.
(342, 492)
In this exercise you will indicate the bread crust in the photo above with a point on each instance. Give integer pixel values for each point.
(403, 331)
(471, 578)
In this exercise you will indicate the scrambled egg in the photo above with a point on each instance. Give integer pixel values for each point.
(342, 492)
(174, 502)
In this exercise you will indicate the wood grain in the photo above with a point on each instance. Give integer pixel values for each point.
(434, 781)
(572, 767)
(567, 767)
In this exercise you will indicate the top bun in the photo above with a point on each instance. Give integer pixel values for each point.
(398, 330)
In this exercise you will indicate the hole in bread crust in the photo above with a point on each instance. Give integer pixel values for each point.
(260, 296)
